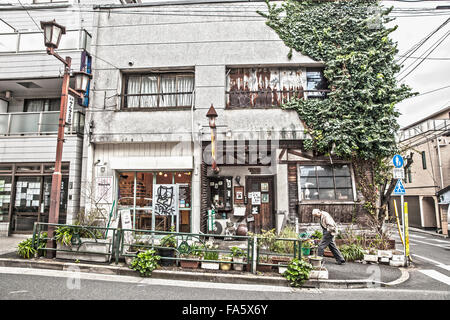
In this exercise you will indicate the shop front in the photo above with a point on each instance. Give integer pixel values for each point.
(243, 193)
(25, 194)
(144, 193)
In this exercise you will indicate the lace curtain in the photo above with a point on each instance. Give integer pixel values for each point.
(143, 92)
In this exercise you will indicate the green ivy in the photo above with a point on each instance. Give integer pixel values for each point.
(357, 120)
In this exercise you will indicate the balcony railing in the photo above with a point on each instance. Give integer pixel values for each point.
(429, 125)
(266, 98)
(33, 41)
(38, 123)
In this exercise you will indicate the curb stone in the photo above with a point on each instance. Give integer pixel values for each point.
(196, 276)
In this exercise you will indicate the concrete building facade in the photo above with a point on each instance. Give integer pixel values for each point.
(30, 93)
(158, 68)
(427, 140)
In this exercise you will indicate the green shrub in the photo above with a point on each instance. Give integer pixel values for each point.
(211, 255)
(297, 272)
(169, 240)
(64, 234)
(26, 250)
(352, 252)
(145, 262)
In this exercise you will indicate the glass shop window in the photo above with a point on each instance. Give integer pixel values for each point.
(325, 182)
(5, 197)
(142, 195)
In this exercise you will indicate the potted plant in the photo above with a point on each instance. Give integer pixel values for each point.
(81, 243)
(145, 262)
(316, 261)
(210, 255)
(169, 243)
(238, 256)
(306, 247)
(195, 253)
(297, 272)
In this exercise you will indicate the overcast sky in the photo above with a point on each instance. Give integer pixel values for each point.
(433, 73)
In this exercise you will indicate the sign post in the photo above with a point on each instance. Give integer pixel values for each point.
(400, 190)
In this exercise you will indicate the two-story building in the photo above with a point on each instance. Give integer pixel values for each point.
(158, 68)
(427, 140)
(30, 96)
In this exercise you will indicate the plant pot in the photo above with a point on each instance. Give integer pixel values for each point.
(316, 262)
(261, 268)
(226, 266)
(128, 259)
(306, 251)
(210, 265)
(166, 252)
(281, 268)
(98, 250)
(280, 260)
(189, 264)
(236, 266)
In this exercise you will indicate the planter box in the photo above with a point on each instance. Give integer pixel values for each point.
(280, 260)
(321, 273)
(129, 259)
(398, 257)
(261, 268)
(384, 260)
(101, 249)
(281, 269)
(210, 265)
(328, 253)
(385, 254)
(189, 264)
(371, 258)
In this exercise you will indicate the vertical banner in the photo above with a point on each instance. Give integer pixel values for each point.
(70, 108)
(125, 216)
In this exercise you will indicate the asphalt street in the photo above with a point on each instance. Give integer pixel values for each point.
(430, 269)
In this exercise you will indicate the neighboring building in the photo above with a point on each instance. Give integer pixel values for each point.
(428, 140)
(157, 70)
(30, 93)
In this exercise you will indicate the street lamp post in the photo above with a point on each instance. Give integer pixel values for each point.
(52, 37)
(212, 115)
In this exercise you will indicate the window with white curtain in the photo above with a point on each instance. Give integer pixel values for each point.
(38, 105)
(154, 90)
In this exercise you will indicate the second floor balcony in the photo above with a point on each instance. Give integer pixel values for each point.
(424, 127)
(38, 123)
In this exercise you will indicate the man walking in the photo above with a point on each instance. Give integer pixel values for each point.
(329, 231)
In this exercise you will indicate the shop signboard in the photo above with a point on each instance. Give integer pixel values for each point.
(104, 189)
(165, 199)
(125, 215)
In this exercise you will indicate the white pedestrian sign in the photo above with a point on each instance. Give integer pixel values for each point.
(399, 188)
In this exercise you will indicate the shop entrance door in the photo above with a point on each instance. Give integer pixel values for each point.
(260, 205)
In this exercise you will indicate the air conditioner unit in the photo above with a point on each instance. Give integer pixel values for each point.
(219, 226)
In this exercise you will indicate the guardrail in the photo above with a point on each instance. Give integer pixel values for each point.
(38, 123)
(172, 247)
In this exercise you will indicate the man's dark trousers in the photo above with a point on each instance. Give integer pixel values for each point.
(328, 241)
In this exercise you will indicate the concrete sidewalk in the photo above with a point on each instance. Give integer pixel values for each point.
(349, 275)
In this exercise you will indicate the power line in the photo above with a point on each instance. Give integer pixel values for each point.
(421, 61)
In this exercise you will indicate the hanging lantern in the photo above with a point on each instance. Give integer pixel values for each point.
(52, 33)
(81, 81)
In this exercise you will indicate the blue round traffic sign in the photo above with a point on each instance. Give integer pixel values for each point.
(398, 161)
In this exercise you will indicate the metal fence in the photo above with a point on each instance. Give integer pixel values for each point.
(173, 247)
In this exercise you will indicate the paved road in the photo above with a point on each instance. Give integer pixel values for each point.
(431, 262)
(32, 284)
